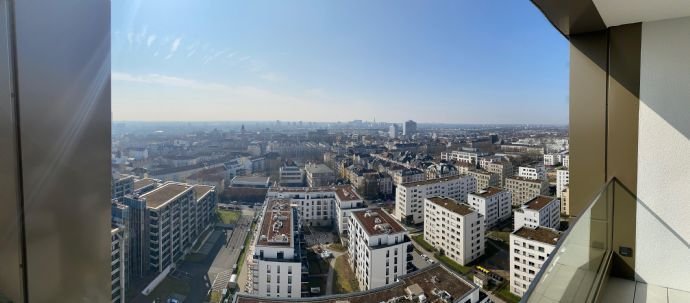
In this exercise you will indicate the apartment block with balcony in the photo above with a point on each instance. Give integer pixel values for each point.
(454, 229)
(493, 203)
(524, 189)
(540, 211)
(409, 197)
(378, 248)
(504, 169)
(121, 185)
(532, 172)
(562, 180)
(529, 249)
(117, 265)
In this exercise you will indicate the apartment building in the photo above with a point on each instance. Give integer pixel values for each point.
(319, 175)
(440, 170)
(409, 197)
(117, 265)
(529, 248)
(484, 178)
(541, 211)
(566, 160)
(565, 201)
(409, 128)
(462, 156)
(277, 261)
(533, 172)
(454, 229)
(165, 223)
(291, 174)
(378, 248)
(121, 185)
(524, 189)
(493, 203)
(562, 180)
(144, 185)
(552, 159)
(503, 169)
(407, 175)
(321, 206)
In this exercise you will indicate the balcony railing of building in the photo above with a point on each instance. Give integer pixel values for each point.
(577, 269)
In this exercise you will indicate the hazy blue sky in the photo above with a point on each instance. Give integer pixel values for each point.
(482, 61)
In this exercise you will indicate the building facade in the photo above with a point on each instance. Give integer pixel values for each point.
(493, 203)
(409, 197)
(524, 189)
(117, 264)
(484, 178)
(319, 175)
(378, 248)
(562, 180)
(541, 211)
(536, 172)
(454, 229)
(529, 248)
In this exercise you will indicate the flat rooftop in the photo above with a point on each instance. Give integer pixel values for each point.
(539, 202)
(347, 193)
(487, 192)
(318, 169)
(452, 205)
(251, 179)
(524, 179)
(284, 189)
(541, 234)
(427, 279)
(139, 184)
(201, 190)
(431, 181)
(371, 218)
(276, 227)
(164, 193)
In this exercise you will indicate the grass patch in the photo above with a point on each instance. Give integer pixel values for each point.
(423, 243)
(504, 293)
(344, 279)
(503, 236)
(215, 297)
(247, 240)
(168, 287)
(228, 216)
(464, 270)
(337, 247)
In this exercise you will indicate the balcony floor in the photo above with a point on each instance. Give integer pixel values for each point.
(625, 291)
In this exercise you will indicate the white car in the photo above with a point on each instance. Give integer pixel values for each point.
(424, 256)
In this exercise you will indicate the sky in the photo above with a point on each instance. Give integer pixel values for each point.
(458, 61)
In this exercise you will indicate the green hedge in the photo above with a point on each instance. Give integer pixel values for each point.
(423, 243)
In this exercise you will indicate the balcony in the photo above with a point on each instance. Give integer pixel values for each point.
(580, 268)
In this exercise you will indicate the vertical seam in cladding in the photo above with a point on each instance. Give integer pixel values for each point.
(14, 71)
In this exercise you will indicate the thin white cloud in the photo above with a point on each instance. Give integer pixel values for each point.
(245, 58)
(150, 40)
(130, 38)
(173, 48)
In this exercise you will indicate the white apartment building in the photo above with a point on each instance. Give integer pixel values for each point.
(409, 197)
(524, 189)
(276, 265)
(536, 172)
(529, 248)
(540, 211)
(462, 156)
(493, 203)
(321, 206)
(455, 229)
(552, 159)
(566, 160)
(562, 180)
(378, 248)
(117, 264)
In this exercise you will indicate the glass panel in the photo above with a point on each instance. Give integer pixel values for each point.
(573, 273)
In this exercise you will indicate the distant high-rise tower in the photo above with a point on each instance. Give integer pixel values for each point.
(409, 128)
(393, 131)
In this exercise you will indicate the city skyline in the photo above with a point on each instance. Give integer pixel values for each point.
(254, 61)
